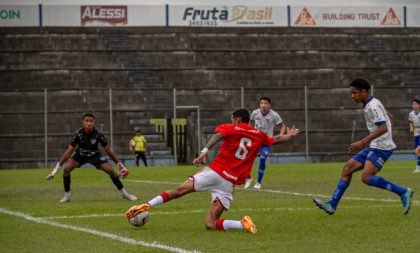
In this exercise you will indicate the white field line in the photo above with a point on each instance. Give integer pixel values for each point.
(284, 192)
(96, 232)
(276, 209)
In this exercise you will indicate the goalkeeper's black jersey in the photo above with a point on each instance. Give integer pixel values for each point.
(87, 144)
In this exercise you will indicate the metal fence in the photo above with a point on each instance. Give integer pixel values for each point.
(40, 123)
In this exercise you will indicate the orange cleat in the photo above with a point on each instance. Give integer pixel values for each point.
(135, 210)
(248, 225)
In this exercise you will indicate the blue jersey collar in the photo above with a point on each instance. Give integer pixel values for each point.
(367, 102)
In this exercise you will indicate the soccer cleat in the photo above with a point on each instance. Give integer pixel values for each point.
(324, 205)
(417, 170)
(248, 182)
(129, 196)
(248, 225)
(66, 198)
(135, 210)
(406, 200)
(257, 186)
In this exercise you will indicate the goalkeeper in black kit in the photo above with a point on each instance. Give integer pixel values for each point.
(84, 149)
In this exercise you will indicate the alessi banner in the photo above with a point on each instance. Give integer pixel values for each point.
(238, 15)
(103, 15)
(347, 16)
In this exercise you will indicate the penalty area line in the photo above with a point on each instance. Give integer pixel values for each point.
(96, 232)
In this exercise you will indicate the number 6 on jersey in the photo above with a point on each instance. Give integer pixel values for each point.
(242, 151)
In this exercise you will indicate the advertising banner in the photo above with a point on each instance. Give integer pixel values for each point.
(227, 16)
(347, 16)
(104, 15)
(413, 16)
(15, 15)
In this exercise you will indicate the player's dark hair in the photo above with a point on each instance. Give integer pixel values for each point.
(243, 114)
(416, 100)
(360, 84)
(268, 99)
(88, 114)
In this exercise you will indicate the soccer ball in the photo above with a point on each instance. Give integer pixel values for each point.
(140, 219)
(132, 144)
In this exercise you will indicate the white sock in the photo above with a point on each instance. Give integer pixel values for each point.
(232, 224)
(123, 191)
(67, 194)
(156, 201)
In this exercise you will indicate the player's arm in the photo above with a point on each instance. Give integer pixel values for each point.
(252, 123)
(391, 117)
(282, 128)
(291, 132)
(213, 140)
(60, 163)
(121, 167)
(360, 144)
(411, 127)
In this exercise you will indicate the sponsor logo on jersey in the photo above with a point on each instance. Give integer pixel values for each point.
(93, 141)
(229, 175)
(305, 18)
(112, 15)
(390, 18)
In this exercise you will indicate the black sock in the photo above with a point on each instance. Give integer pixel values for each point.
(66, 181)
(117, 182)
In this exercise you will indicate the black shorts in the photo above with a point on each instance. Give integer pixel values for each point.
(96, 160)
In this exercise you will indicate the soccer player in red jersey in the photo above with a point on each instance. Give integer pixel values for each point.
(240, 147)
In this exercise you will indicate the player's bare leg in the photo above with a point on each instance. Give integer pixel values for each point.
(106, 167)
(183, 189)
(216, 210)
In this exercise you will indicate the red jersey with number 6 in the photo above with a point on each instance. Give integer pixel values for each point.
(240, 147)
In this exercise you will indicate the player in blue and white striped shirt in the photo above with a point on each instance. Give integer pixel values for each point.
(414, 118)
(372, 158)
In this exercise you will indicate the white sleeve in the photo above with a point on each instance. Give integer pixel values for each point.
(410, 117)
(379, 114)
(278, 119)
(252, 117)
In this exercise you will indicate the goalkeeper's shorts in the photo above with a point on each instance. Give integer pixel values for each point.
(96, 160)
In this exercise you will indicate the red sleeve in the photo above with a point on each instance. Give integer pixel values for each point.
(268, 141)
(223, 129)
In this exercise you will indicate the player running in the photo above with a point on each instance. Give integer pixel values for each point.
(240, 146)
(85, 142)
(414, 119)
(369, 159)
(264, 119)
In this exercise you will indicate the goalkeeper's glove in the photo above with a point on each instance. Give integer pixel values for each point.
(54, 171)
(123, 170)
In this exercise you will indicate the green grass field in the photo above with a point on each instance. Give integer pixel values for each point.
(367, 220)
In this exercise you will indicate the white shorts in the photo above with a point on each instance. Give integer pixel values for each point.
(207, 180)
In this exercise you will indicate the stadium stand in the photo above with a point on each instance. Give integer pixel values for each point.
(208, 67)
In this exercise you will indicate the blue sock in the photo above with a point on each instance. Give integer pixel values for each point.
(418, 160)
(338, 193)
(386, 185)
(261, 170)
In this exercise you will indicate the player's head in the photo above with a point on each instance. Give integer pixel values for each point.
(415, 104)
(138, 131)
(265, 104)
(240, 116)
(88, 122)
(360, 90)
